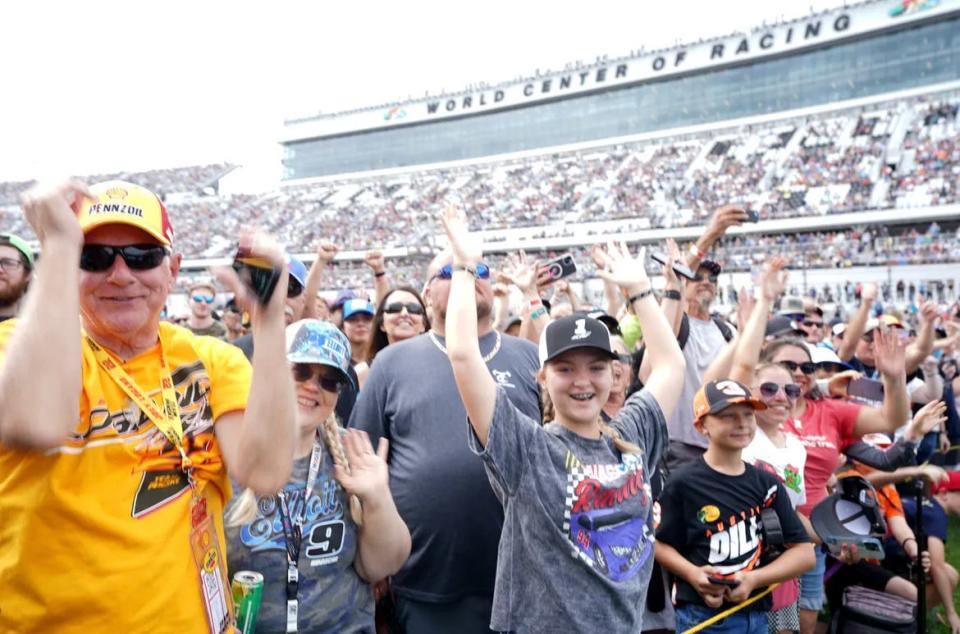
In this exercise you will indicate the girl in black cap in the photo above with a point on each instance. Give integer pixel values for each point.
(577, 543)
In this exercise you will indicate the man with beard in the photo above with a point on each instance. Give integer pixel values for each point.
(16, 267)
(701, 335)
(439, 485)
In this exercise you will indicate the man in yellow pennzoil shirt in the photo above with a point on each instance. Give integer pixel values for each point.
(97, 514)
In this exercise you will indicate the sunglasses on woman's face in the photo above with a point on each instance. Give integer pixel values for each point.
(205, 299)
(446, 271)
(770, 390)
(303, 372)
(395, 307)
(138, 257)
(807, 367)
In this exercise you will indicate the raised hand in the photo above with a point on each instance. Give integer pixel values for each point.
(52, 211)
(257, 244)
(368, 469)
(374, 259)
(889, 351)
(773, 279)
(624, 270)
(868, 293)
(326, 251)
(673, 256)
(467, 248)
(520, 272)
(928, 311)
(928, 418)
(725, 217)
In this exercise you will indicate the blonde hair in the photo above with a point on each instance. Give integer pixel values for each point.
(245, 509)
(623, 446)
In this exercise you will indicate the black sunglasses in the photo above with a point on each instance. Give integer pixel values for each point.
(769, 390)
(446, 271)
(711, 277)
(138, 257)
(395, 307)
(303, 372)
(807, 367)
(812, 324)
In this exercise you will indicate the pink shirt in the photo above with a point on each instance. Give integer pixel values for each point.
(825, 429)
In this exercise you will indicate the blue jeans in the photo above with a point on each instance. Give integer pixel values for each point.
(811, 584)
(689, 615)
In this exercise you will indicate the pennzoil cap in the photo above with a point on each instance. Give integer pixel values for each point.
(120, 202)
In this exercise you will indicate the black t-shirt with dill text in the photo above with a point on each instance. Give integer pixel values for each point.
(714, 519)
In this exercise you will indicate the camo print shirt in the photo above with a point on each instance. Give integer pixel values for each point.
(576, 552)
(333, 598)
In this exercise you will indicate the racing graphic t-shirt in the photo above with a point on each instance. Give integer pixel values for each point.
(332, 597)
(712, 518)
(787, 463)
(94, 534)
(825, 429)
(577, 545)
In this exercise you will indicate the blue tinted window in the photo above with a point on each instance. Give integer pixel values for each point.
(905, 59)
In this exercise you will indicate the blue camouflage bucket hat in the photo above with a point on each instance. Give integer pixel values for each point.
(316, 341)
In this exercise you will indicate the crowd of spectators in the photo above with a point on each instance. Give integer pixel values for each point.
(900, 154)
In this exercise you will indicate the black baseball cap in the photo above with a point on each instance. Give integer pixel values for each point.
(607, 320)
(851, 515)
(783, 326)
(572, 333)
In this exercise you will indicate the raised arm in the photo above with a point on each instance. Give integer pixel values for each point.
(857, 323)
(889, 352)
(666, 359)
(671, 304)
(772, 282)
(922, 346)
(258, 443)
(522, 273)
(46, 341)
(377, 264)
(722, 219)
(476, 386)
(326, 251)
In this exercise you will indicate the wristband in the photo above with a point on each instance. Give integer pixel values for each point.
(639, 296)
(672, 294)
(909, 539)
(536, 302)
(380, 274)
(539, 312)
(463, 267)
(696, 252)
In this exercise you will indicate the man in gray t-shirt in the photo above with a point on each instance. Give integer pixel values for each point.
(438, 484)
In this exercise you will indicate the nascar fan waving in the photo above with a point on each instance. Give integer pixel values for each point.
(117, 430)
(577, 547)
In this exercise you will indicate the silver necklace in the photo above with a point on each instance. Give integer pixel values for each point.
(490, 355)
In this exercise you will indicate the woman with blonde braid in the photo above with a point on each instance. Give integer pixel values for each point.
(576, 552)
(333, 528)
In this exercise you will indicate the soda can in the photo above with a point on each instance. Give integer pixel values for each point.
(247, 589)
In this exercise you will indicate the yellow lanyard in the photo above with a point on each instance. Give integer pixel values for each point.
(166, 419)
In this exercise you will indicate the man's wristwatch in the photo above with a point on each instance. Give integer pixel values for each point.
(672, 294)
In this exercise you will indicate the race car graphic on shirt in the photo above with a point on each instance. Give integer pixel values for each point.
(606, 517)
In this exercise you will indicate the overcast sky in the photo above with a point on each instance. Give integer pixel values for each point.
(101, 86)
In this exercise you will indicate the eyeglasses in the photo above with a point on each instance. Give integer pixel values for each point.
(446, 272)
(10, 264)
(206, 299)
(138, 257)
(813, 324)
(395, 307)
(807, 367)
(770, 390)
(303, 372)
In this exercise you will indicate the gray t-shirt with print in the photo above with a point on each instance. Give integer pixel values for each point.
(438, 484)
(577, 547)
(332, 596)
(703, 345)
